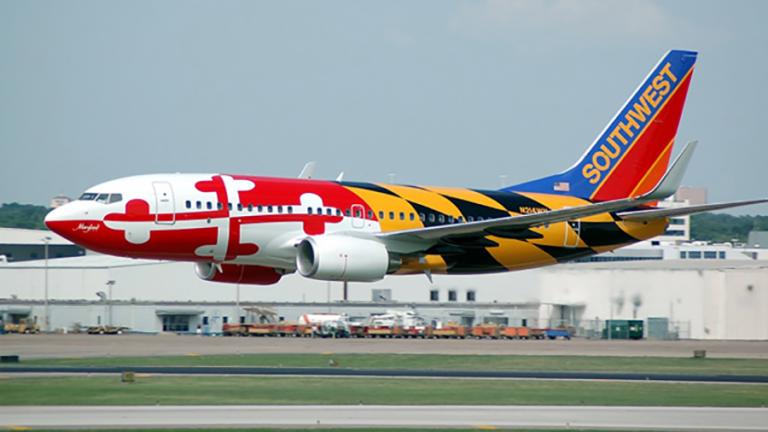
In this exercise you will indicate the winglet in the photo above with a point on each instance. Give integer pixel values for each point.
(669, 184)
(308, 171)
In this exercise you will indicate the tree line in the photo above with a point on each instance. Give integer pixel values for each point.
(714, 227)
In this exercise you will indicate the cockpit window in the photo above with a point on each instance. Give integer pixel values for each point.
(101, 197)
(88, 196)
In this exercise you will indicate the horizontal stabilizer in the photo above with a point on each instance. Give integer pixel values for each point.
(682, 211)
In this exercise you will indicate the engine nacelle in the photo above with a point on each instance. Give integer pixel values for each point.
(237, 273)
(343, 258)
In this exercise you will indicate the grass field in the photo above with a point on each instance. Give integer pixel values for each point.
(189, 390)
(705, 366)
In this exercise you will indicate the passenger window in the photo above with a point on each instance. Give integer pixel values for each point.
(370, 214)
(189, 204)
(239, 207)
(290, 209)
(402, 216)
(113, 198)
(347, 212)
(329, 211)
(320, 211)
(431, 217)
(269, 209)
(309, 210)
(208, 205)
(441, 218)
(260, 208)
(381, 215)
(422, 217)
(338, 212)
(391, 215)
(229, 206)
(279, 209)
(198, 205)
(470, 218)
(411, 216)
(250, 208)
(219, 205)
(450, 219)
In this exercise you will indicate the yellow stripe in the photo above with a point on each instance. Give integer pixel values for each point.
(425, 198)
(468, 195)
(653, 166)
(387, 203)
(608, 176)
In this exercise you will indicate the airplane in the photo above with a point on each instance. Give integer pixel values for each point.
(254, 230)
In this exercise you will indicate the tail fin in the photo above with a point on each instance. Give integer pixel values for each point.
(632, 153)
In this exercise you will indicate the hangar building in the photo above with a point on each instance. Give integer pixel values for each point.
(696, 290)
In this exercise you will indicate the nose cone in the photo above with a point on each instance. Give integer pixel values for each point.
(55, 215)
(64, 219)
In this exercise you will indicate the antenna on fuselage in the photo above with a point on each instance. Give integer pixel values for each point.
(308, 171)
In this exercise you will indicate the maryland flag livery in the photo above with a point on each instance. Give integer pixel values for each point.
(249, 229)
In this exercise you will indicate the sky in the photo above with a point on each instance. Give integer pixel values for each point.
(456, 93)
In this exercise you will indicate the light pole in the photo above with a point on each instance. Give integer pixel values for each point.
(46, 318)
(110, 284)
(237, 304)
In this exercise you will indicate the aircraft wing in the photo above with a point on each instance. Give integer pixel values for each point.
(682, 211)
(415, 240)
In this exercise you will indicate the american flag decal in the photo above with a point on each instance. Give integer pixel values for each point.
(562, 186)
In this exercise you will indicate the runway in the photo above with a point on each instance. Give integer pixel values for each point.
(634, 418)
(386, 373)
(129, 345)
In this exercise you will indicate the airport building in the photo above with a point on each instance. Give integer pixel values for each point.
(691, 290)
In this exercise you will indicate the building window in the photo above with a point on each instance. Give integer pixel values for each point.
(205, 320)
(471, 296)
(225, 319)
(683, 255)
(710, 255)
(452, 295)
(175, 323)
(674, 233)
(694, 254)
(434, 295)
(677, 221)
(722, 254)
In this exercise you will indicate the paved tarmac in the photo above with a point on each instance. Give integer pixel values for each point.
(380, 373)
(633, 418)
(62, 346)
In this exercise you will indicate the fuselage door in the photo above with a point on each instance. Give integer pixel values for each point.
(358, 216)
(572, 233)
(165, 209)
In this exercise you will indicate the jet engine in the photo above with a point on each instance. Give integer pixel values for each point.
(344, 258)
(237, 273)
